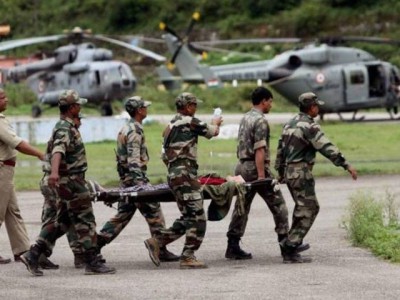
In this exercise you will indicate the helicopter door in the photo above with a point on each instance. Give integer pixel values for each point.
(355, 84)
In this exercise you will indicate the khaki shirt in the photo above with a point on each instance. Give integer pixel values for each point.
(8, 140)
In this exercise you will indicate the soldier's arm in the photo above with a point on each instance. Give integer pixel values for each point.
(260, 145)
(134, 140)
(280, 161)
(260, 162)
(54, 176)
(203, 129)
(61, 141)
(323, 145)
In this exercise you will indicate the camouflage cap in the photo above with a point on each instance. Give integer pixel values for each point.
(135, 102)
(309, 98)
(186, 98)
(69, 97)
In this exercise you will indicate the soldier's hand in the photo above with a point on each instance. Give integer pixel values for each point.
(53, 180)
(217, 121)
(353, 172)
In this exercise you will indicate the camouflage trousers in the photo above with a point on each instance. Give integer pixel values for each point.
(274, 200)
(182, 179)
(74, 212)
(49, 214)
(151, 212)
(301, 184)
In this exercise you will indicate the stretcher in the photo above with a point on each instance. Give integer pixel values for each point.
(162, 193)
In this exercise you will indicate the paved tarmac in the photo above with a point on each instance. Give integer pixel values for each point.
(338, 270)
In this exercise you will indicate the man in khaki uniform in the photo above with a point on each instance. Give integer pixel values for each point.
(10, 214)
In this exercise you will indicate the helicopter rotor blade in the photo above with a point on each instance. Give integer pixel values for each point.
(195, 18)
(249, 41)
(139, 50)
(7, 45)
(336, 40)
(194, 48)
(166, 28)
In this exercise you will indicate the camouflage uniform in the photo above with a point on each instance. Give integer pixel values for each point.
(132, 165)
(75, 210)
(49, 213)
(254, 133)
(180, 145)
(301, 138)
(66, 151)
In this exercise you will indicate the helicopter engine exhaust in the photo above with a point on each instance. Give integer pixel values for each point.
(285, 70)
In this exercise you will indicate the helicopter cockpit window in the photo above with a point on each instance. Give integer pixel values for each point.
(357, 77)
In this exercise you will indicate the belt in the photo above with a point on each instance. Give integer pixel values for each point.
(301, 164)
(9, 162)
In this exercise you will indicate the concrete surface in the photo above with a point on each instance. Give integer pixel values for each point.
(338, 270)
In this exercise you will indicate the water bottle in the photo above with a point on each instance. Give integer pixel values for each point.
(217, 113)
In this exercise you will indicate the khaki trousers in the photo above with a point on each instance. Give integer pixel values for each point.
(10, 213)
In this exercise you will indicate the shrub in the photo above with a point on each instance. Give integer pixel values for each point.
(374, 224)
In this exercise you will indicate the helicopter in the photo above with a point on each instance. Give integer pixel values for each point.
(347, 79)
(81, 66)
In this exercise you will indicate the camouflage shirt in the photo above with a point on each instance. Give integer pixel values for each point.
(301, 138)
(253, 134)
(67, 140)
(181, 135)
(132, 151)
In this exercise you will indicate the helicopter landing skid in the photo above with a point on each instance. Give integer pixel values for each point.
(353, 118)
(392, 117)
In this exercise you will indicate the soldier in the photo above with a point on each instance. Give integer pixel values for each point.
(132, 159)
(67, 156)
(180, 155)
(301, 138)
(49, 214)
(254, 159)
(10, 214)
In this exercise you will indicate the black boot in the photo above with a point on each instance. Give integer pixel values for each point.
(233, 251)
(94, 266)
(167, 256)
(290, 253)
(47, 264)
(299, 248)
(101, 242)
(79, 261)
(31, 260)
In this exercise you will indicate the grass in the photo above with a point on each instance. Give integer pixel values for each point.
(374, 224)
(230, 99)
(371, 148)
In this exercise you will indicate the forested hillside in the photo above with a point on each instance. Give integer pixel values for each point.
(230, 18)
(224, 18)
